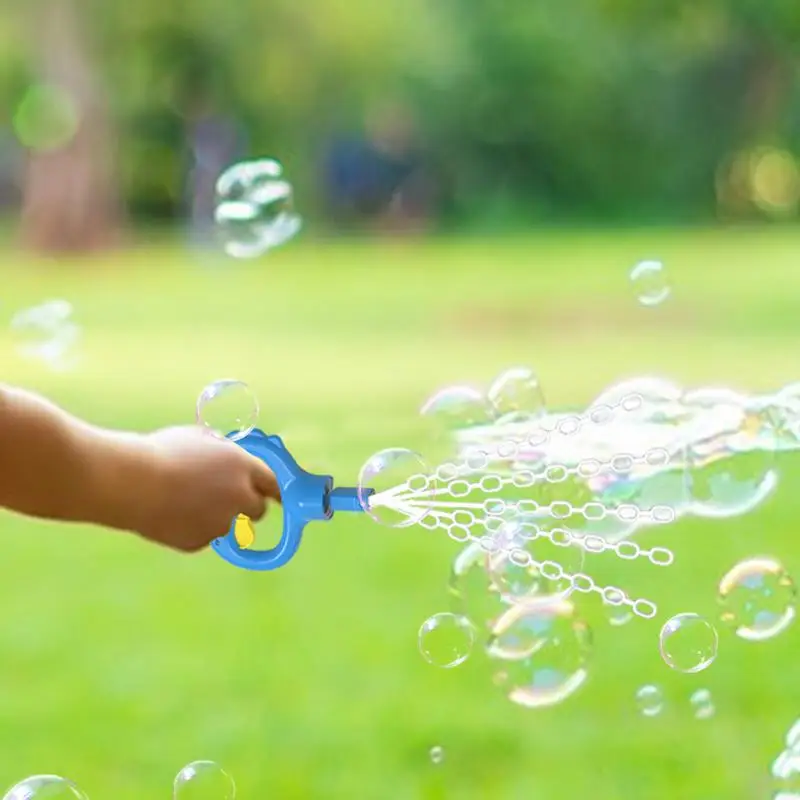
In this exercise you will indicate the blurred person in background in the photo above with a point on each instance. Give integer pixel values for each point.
(380, 179)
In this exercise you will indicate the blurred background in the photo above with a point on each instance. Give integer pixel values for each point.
(476, 181)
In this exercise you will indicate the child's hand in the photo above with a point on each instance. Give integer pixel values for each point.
(204, 483)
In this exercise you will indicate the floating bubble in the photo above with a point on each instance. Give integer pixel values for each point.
(702, 704)
(437, 754)
(474, 593)
(650, 283)
(650, 700)
(758, 598)
(47, 118)
(401, 481)
(255, 210)
(516, 395)
(730, 451)
(47, 333)
(446, 640)
(688, 643)
(228, 408)
(457, 407)
(203, 780)
(45, 787)
(617, 614)
(543, 648)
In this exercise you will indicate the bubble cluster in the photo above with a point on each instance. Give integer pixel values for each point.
(688, 643)
(542, 648)
(649, 281)
(203, 780)
(255, 211)
(446, 640)
(650, 700)
(228, 408)
(47, 333)
(758, 598)
(45, 787)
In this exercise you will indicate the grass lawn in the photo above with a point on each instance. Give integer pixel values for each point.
(120, 663)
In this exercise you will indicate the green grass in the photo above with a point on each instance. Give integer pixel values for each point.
(119, 662)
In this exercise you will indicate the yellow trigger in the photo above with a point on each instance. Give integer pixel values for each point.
(244, 532)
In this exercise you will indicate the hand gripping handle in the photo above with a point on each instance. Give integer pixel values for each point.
(305, 497)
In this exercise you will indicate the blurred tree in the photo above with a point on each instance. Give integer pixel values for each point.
(70, 194)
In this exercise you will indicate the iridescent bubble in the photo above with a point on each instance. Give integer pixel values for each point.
(516, 395)
(649, 281)
(650, 700)
(45, 787)
(203, 780)
(536, 562)
(702, 704)
(758, 598)
(457, 407)
(403, 487)
(255, 208)
(730, 452)
(228, 408)
(472, 589)
(446, 640)
(47, 333)
(688, 643)
(542, 648)
(437, 754)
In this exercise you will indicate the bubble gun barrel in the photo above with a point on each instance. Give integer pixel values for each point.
(305, 497)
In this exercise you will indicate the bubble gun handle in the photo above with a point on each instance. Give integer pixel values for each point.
(305, 497)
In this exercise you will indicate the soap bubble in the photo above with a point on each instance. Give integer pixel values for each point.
(45, 787)
(543, 648)
(457, 407)
(47, 333)
(228, 408)
(702, 704)
(516, 395)
(617, 614)
(47, 118)
(650, 283)
(688, 643)
(401, 481)
(731, 453)
(650, 700)
(472, 589)
(254, 209)
(446, 640)
(203, 780)
(758, 598)
(437, 754)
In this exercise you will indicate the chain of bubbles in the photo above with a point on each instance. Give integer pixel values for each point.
(412, 498)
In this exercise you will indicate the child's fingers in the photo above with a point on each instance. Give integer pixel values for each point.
(265, 481)
(254, 507)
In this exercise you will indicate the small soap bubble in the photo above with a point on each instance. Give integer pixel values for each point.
(542, 647)
(446, 640)
(650, 700)
(688, 643)
(45, 787)
(618, 614)
(437, 754)
(702, 704)
(203, 780)
(758, 599)
(401, 482)
(228, 408)
(517, 395)
(255, 211)
(472, 589)
(47, 333)
(47, 118)
(650, 283)
(456, 408)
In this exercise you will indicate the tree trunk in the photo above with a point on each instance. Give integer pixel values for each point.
(70, 201)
